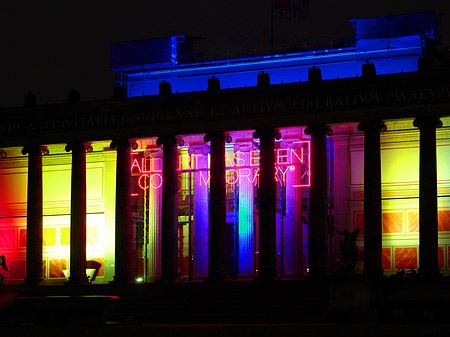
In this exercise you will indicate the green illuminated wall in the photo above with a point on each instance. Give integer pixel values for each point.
(400, 194)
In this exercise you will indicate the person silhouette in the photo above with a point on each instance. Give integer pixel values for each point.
(3, 263)
(347, 246)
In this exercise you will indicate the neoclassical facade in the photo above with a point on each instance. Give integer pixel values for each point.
(260, 181)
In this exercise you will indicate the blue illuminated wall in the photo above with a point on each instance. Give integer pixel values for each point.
(394, 44)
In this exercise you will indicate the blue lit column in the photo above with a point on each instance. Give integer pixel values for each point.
(428, 206)
(318, 202)
(217, 208)
(372, 198)
(293, 220)
(267, 204)
(124, 225)
(78, 213)
(246, 214)
(201, 210)
(34, 213)
(169, 216)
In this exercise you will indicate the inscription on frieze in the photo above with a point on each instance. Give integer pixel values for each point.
(227, 109)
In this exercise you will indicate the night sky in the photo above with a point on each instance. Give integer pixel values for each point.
(51, 47)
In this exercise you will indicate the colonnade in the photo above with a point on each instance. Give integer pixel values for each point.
(318, 222)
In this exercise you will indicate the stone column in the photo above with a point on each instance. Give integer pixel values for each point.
(293, 221)
(217, 207)
(124, 224)
(78, 213)
(169, 216)
(201, 210)
(428, 206)
(154, 216)
(372, 198)
(246, 228)
(318, 202)
(34, 213)
(267, 204)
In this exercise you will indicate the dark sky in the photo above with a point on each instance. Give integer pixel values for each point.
(50, 47)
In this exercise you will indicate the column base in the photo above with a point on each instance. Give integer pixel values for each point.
(122, 279)
(215, 278)
(429, 273)
(320, 274)
(169, 278)
(373, 273)
(266, 276)
(78, 281)
(30, 281)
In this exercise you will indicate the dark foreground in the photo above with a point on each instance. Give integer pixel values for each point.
(332, 307)
(308, 330)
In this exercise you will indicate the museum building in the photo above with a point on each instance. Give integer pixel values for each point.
(258, 167)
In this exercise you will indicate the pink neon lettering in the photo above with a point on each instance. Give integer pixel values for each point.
(144, 165)
(294, 153)
(256, 177)
(152, 184)
(181, 161)
(149, 167)
(145, 187)
(254, 160)
(136, 164)
(194, 159)
(228, 161)
(282, 158)
(283, 173)
(203, 180)
(239, 158)
(247, 175)
(234, 174)
(181, 184)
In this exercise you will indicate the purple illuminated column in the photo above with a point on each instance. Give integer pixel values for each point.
(78, 213)
(154, 221)
(267, 206)
(34, 213)
(428, 206)
(169, 216)
(217, 207)
(293, 220)
(318, 202)
(246, 213)
(372, 198)
(201, 210)
(124, 224)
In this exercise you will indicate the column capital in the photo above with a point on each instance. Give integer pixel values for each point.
(269, 132)
(123, 143)
(33, 150)
(198, 148)
(315, 128)
(153, 151)
(427, 121)
(170, 140)
(374, 125)
(243, 145)
(78, 147)
(217, 136)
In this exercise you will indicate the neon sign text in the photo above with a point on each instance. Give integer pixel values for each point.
(240, 166)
